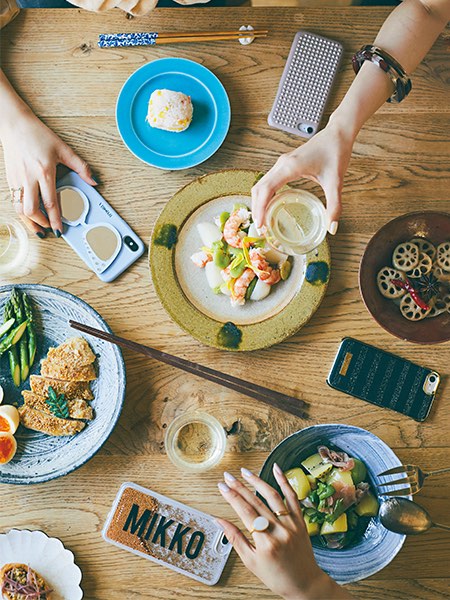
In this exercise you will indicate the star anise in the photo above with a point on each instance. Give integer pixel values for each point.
(428, 286)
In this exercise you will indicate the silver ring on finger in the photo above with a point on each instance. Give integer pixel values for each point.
(259, 525)
(16, 195)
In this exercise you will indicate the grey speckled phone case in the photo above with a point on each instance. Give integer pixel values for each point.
(305, 84)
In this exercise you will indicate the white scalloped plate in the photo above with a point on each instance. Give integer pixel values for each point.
(45, 555)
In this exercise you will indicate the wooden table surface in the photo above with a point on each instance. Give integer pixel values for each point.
(400, 164)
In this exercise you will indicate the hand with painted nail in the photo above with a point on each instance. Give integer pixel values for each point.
(280, 553)
(32, 152)
(323, 159)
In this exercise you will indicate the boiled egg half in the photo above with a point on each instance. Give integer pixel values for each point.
(8, 447)
(9, 419)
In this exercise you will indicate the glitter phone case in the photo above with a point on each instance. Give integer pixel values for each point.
(305, 84)
(168, 533)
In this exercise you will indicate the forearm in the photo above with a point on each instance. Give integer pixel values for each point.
(407, 34)
(322, 588)
(13, 107)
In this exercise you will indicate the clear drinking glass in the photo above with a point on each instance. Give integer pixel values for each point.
(195, 441)
(13, 245)
(296, 222)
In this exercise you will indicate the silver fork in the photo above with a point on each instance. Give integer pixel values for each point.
(415, 478)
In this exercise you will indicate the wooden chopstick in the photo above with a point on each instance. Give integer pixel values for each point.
(243, 33)
(273, 398)
(150, 38)
(180, 40)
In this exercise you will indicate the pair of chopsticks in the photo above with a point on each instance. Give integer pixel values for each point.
(275, 399)
(118, 40)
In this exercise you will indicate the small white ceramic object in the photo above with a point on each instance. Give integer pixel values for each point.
(249, 40)
(45, 555)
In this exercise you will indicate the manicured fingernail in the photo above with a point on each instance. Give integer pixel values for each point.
(228, 476)
(246, 472)
(94, 179)
(40, 235)
(277, 469)
(333, 227)
(57, 233)
(223, 487)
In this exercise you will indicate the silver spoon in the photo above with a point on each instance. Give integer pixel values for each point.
(404, 516)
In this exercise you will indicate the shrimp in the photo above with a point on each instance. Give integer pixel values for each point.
(240, 286)
(200, 259)
(266, 273)
(231, 231)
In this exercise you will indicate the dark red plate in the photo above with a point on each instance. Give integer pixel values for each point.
(435, 226)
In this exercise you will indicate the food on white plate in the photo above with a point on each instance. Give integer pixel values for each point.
(418, 281)
(71, 389)
(48, 423)
(77, 409)
(170, 110)
(57, 403)
(335, 495)
(8, 447)
(21, 582)
(236, 258)
(9, 418)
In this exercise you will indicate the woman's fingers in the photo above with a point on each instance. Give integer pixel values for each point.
(286, 169)
(247, 494)
(68, 157)
(287, 491)
(237, 539)
(50, 201)
(31, 204)
(334, 206)
(273, 498)
(31, 225)
(245, 511)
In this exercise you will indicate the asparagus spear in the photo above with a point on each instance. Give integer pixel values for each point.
(11, 339)
(14, 365)
(23, 344)
(31, 330)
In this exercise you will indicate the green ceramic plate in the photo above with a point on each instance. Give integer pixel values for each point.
(182, 287)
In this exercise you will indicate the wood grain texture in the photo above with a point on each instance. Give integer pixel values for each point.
(400, 163)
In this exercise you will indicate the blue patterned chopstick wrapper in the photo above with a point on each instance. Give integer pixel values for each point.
(118, 40)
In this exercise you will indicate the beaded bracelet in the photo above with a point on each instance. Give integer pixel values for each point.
(402, 83)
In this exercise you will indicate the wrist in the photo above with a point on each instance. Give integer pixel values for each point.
(322, 587)
(15, 112)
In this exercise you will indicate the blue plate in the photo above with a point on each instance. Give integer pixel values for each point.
(166, 149)
(378, 546)
(42, 457)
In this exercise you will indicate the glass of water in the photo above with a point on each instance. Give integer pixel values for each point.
(296, 222)
(13, 246)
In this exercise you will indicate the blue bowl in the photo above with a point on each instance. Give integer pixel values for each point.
(378, 546)
(167, 149)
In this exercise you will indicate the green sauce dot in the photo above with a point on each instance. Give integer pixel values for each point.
(166, 236)
(229, 335)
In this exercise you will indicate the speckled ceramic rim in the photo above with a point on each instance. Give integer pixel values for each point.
(359, 561)
(203, 328)
(121, 374)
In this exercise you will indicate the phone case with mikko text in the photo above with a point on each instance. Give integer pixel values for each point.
(383, 379)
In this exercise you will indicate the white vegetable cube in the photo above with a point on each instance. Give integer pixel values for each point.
(260, 291)
(273, 256)
(209, 233)
(213, 275)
